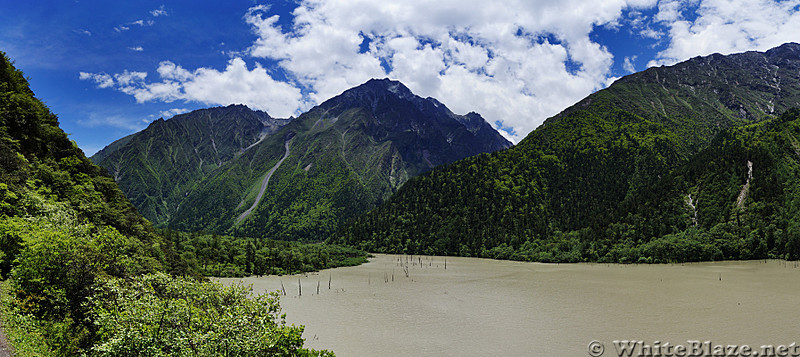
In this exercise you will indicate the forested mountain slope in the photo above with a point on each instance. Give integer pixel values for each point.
(159, 166)
(612, 174)
(343, 157)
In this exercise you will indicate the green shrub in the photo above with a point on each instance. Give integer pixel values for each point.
(159, 315)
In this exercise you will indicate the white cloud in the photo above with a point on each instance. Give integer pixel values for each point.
(628, 64)
(129, 78)
(235, 84)
(159, 12)
(726, 26)
(140, 22)
(641, 25)
(103, 80)
(173, 112)
(517, 62)
(651, 33)
(136, 48)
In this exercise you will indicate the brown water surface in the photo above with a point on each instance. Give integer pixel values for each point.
(481, 307)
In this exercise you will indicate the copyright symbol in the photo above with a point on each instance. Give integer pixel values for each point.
(596, 348)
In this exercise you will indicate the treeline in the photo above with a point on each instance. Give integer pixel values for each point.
(226, 256)
(85, 274)
(603, 185)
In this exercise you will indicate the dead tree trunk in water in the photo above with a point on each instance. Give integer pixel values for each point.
(299, 287)
(329, 281)
(283, 288)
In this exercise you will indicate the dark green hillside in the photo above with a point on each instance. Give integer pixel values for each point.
(159, 166)
(517, 195)
(44, 173)
(697, 98)
(746, 185)
(608, 177)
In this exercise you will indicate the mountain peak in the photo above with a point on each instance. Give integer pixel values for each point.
(789, 49)
(384, 86)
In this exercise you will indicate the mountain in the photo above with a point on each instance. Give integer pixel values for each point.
(302, 180)
(158, 166)
(619, 176)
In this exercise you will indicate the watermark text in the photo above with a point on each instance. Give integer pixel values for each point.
(692, 348)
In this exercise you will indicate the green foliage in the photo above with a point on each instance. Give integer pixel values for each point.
(649, 169)
(63, 222)
(226, 256)
(67, 231)
(158, 315)
(56, 262)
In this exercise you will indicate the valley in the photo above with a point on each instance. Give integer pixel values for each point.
(674, 192)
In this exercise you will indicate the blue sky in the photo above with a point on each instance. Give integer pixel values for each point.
(109, 68)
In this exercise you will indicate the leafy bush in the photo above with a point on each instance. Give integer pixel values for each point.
(159, 315)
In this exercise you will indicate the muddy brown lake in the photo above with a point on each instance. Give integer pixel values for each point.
(482, 307)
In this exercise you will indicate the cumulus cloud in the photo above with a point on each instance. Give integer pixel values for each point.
(516, 62)
(136, 48)
(235, 84)
(709, 26)
(103, 80)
